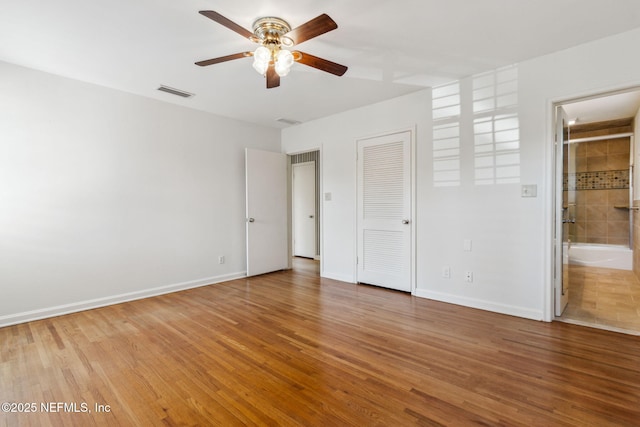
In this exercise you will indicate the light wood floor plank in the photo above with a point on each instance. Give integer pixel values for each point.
(290, 348)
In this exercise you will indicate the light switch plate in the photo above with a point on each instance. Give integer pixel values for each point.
(529, 190)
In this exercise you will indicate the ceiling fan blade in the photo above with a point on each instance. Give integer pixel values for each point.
(273, 79)
(317, 26)
(319, 63)
(215, 16)
(224, 59)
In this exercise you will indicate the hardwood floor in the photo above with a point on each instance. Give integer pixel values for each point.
(291, 349)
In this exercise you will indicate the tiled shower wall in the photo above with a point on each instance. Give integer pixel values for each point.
(601, 182)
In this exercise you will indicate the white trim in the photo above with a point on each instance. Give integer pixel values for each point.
(603, 92)
(414, 210)
(292, 188)
(321, 198)
(60, 310)
(289, 213)
(355, 210)
(548, 305)
(302, 151)
(510, 310)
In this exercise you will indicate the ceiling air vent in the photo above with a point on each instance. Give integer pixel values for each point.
(288, 121)
(173, 91)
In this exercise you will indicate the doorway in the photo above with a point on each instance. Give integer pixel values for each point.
(305, 209)
(303, 182)
(595, 212)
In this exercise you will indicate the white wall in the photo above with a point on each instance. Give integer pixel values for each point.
(512, 235)
(106, 196)
(336, 137)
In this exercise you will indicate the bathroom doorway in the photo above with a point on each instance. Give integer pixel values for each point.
(596, 212)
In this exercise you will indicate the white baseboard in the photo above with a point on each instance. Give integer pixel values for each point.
(28, 316)
(510, 310)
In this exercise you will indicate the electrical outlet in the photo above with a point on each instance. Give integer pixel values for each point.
(446, 272)
(221, 259)
(468, 277)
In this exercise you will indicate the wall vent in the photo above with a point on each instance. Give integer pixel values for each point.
(174, 91)
(288, 121)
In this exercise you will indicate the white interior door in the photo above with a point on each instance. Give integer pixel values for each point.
(304, 209)
(562, 217)
(266, 192)
(384, 211)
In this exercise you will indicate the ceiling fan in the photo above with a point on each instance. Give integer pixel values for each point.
(273, 35)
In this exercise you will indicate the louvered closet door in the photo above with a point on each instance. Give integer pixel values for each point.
(384, 208)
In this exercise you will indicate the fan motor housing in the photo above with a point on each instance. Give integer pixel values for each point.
(270, 30)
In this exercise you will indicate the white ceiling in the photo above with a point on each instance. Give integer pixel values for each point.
(391, 48)
(602, 108)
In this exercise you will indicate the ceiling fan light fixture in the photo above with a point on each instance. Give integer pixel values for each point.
(273, 34)
(261, 59)
(284, 61)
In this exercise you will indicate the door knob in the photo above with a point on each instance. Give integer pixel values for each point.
(310, 216)
(251, 220)
(405, 221)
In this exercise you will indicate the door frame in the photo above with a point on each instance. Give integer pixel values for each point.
(560, 268)
(412, 195)
(294, 167)
(319, 198)
(552, 166)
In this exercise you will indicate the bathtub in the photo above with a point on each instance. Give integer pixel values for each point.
(604, 256)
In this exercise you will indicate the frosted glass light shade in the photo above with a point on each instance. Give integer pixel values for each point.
(284, 61)
(261, 58)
